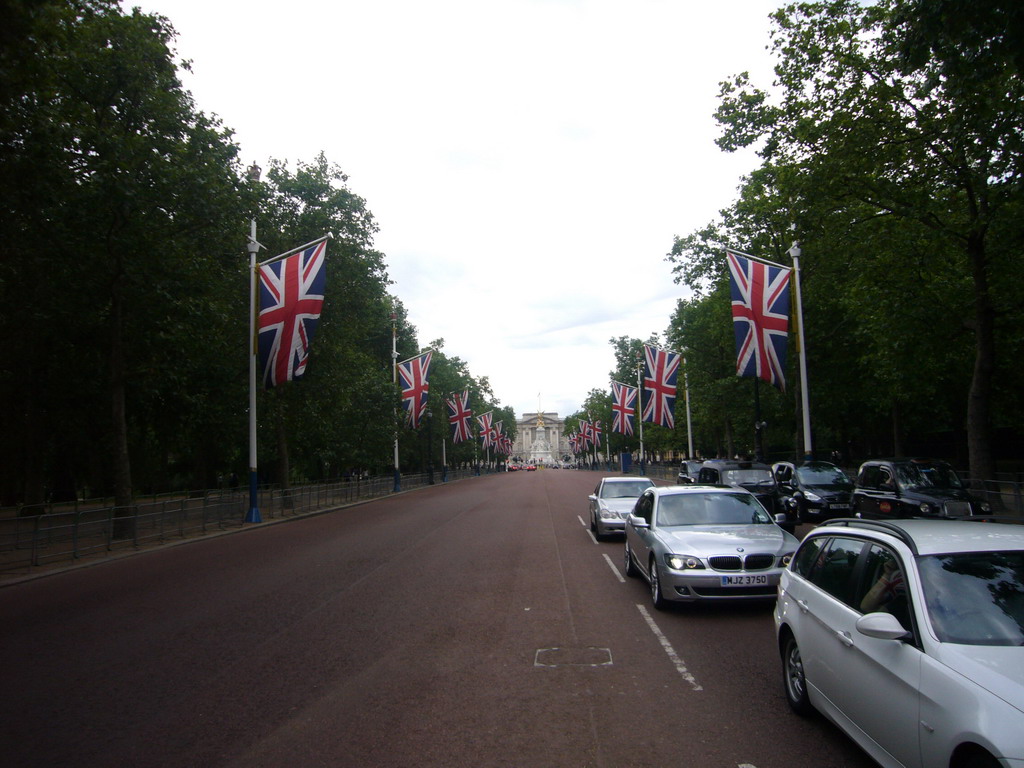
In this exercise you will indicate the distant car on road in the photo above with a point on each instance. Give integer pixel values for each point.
(909, 636)
(753, 476)
(900, 488)
(689, 469)
(694, 543)
(612, 501)
(814, 491)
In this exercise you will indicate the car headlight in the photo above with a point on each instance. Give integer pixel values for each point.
(785, 559)
(607, 514)
(811, 496)
(683, 562)
(926, 508)
(985, 507)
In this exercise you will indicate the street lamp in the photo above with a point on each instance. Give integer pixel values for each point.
(430, 447)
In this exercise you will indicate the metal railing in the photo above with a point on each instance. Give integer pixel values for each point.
(31, 537)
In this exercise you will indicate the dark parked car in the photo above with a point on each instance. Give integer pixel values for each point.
(814, 491)
(901, 488)
(688, 471)
(753, 476)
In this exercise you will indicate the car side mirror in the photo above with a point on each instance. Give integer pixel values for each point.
(780, 518)
(883, 626)
(592, 497)
(638, 522)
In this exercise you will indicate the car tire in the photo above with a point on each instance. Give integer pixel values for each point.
(657, 598)
(977, 759)
(793, 678)
(593, 524)
(631, 569)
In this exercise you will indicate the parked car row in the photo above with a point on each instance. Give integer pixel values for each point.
(816, 491)
(907, 634)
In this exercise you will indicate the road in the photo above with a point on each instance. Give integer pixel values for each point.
(475, 623)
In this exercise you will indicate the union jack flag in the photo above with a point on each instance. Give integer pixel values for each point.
(584, 435)
(595, 434)
(460, 416)
(658, 400)
(291, 298)
(760, 318)
(486, 430)
(413, 374)
(623, 407)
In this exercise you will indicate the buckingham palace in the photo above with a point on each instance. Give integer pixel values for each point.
(539, 438)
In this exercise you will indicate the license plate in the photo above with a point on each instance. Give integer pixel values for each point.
(745, 581)
(839, 506)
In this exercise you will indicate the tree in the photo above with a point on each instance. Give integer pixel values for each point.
(871, 122)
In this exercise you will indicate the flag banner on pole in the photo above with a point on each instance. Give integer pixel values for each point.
(595, 433)
(486, 430)
(584, 434)
(760, 318)
(413, 375)
(623, 407)
(658, 399)
(460, 416)
(291, 299)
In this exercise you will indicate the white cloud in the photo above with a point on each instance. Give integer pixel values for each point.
(530, 159)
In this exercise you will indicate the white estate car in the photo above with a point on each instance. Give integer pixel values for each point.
(612, 501)
(909, 635)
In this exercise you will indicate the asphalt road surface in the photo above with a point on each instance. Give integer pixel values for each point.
(475, 623)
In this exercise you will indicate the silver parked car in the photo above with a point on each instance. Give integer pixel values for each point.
(612, 501)
(909, 635)
(695, 542)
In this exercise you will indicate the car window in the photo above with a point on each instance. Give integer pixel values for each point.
(834, 568)
(807, 555)
(748, 476)
(708, 475)
(823, 477)
(710, 509)
(644, 507)
(882, 586)
(975, 598)
(925, 476)
(870, 477)
(625, 490)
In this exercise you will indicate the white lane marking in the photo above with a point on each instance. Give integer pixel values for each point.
(614, 569)
(672, 655)
(581, 521)
(586, 527)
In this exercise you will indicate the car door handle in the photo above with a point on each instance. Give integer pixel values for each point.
(845, 639)
(802, 604)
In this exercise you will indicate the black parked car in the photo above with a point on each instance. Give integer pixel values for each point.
(900, 488)
(688, 471)
(753, 476)
(814, 491)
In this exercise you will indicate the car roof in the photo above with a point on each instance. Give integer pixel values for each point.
(933, 537)
(624, 479)
(671, 490)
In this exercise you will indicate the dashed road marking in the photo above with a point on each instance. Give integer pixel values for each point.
(669, 650)
(614, 569)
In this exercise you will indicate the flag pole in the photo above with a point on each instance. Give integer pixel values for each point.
(689, 431)
(253, 515)
(640, 421)
(795, 252)
(394, 380)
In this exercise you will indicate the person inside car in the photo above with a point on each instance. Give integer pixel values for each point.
(888, 587)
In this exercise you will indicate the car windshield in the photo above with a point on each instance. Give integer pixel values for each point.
(628, 490)
(710, 509)
(975, 598)
(747, 477)
(824, 476)
(918, 477)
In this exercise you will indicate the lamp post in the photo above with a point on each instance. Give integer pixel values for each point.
(394, 380)
(253, 515)
(430, 447)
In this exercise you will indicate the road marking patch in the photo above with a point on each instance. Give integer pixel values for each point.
(591, 656)
(669, 650)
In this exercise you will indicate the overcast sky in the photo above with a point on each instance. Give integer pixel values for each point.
(528, 161)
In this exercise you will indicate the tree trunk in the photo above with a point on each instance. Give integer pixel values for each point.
(122, 465)
(979, 427)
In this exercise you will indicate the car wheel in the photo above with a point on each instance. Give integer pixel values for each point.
(793, 677)
(631, 569)
(593, 523)
(657, 598)
(977, 759)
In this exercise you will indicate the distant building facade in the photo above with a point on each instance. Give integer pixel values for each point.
(539, 438)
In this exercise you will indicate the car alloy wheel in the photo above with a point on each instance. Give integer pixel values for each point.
(794, 678)
(656, 597)
(631, 569)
